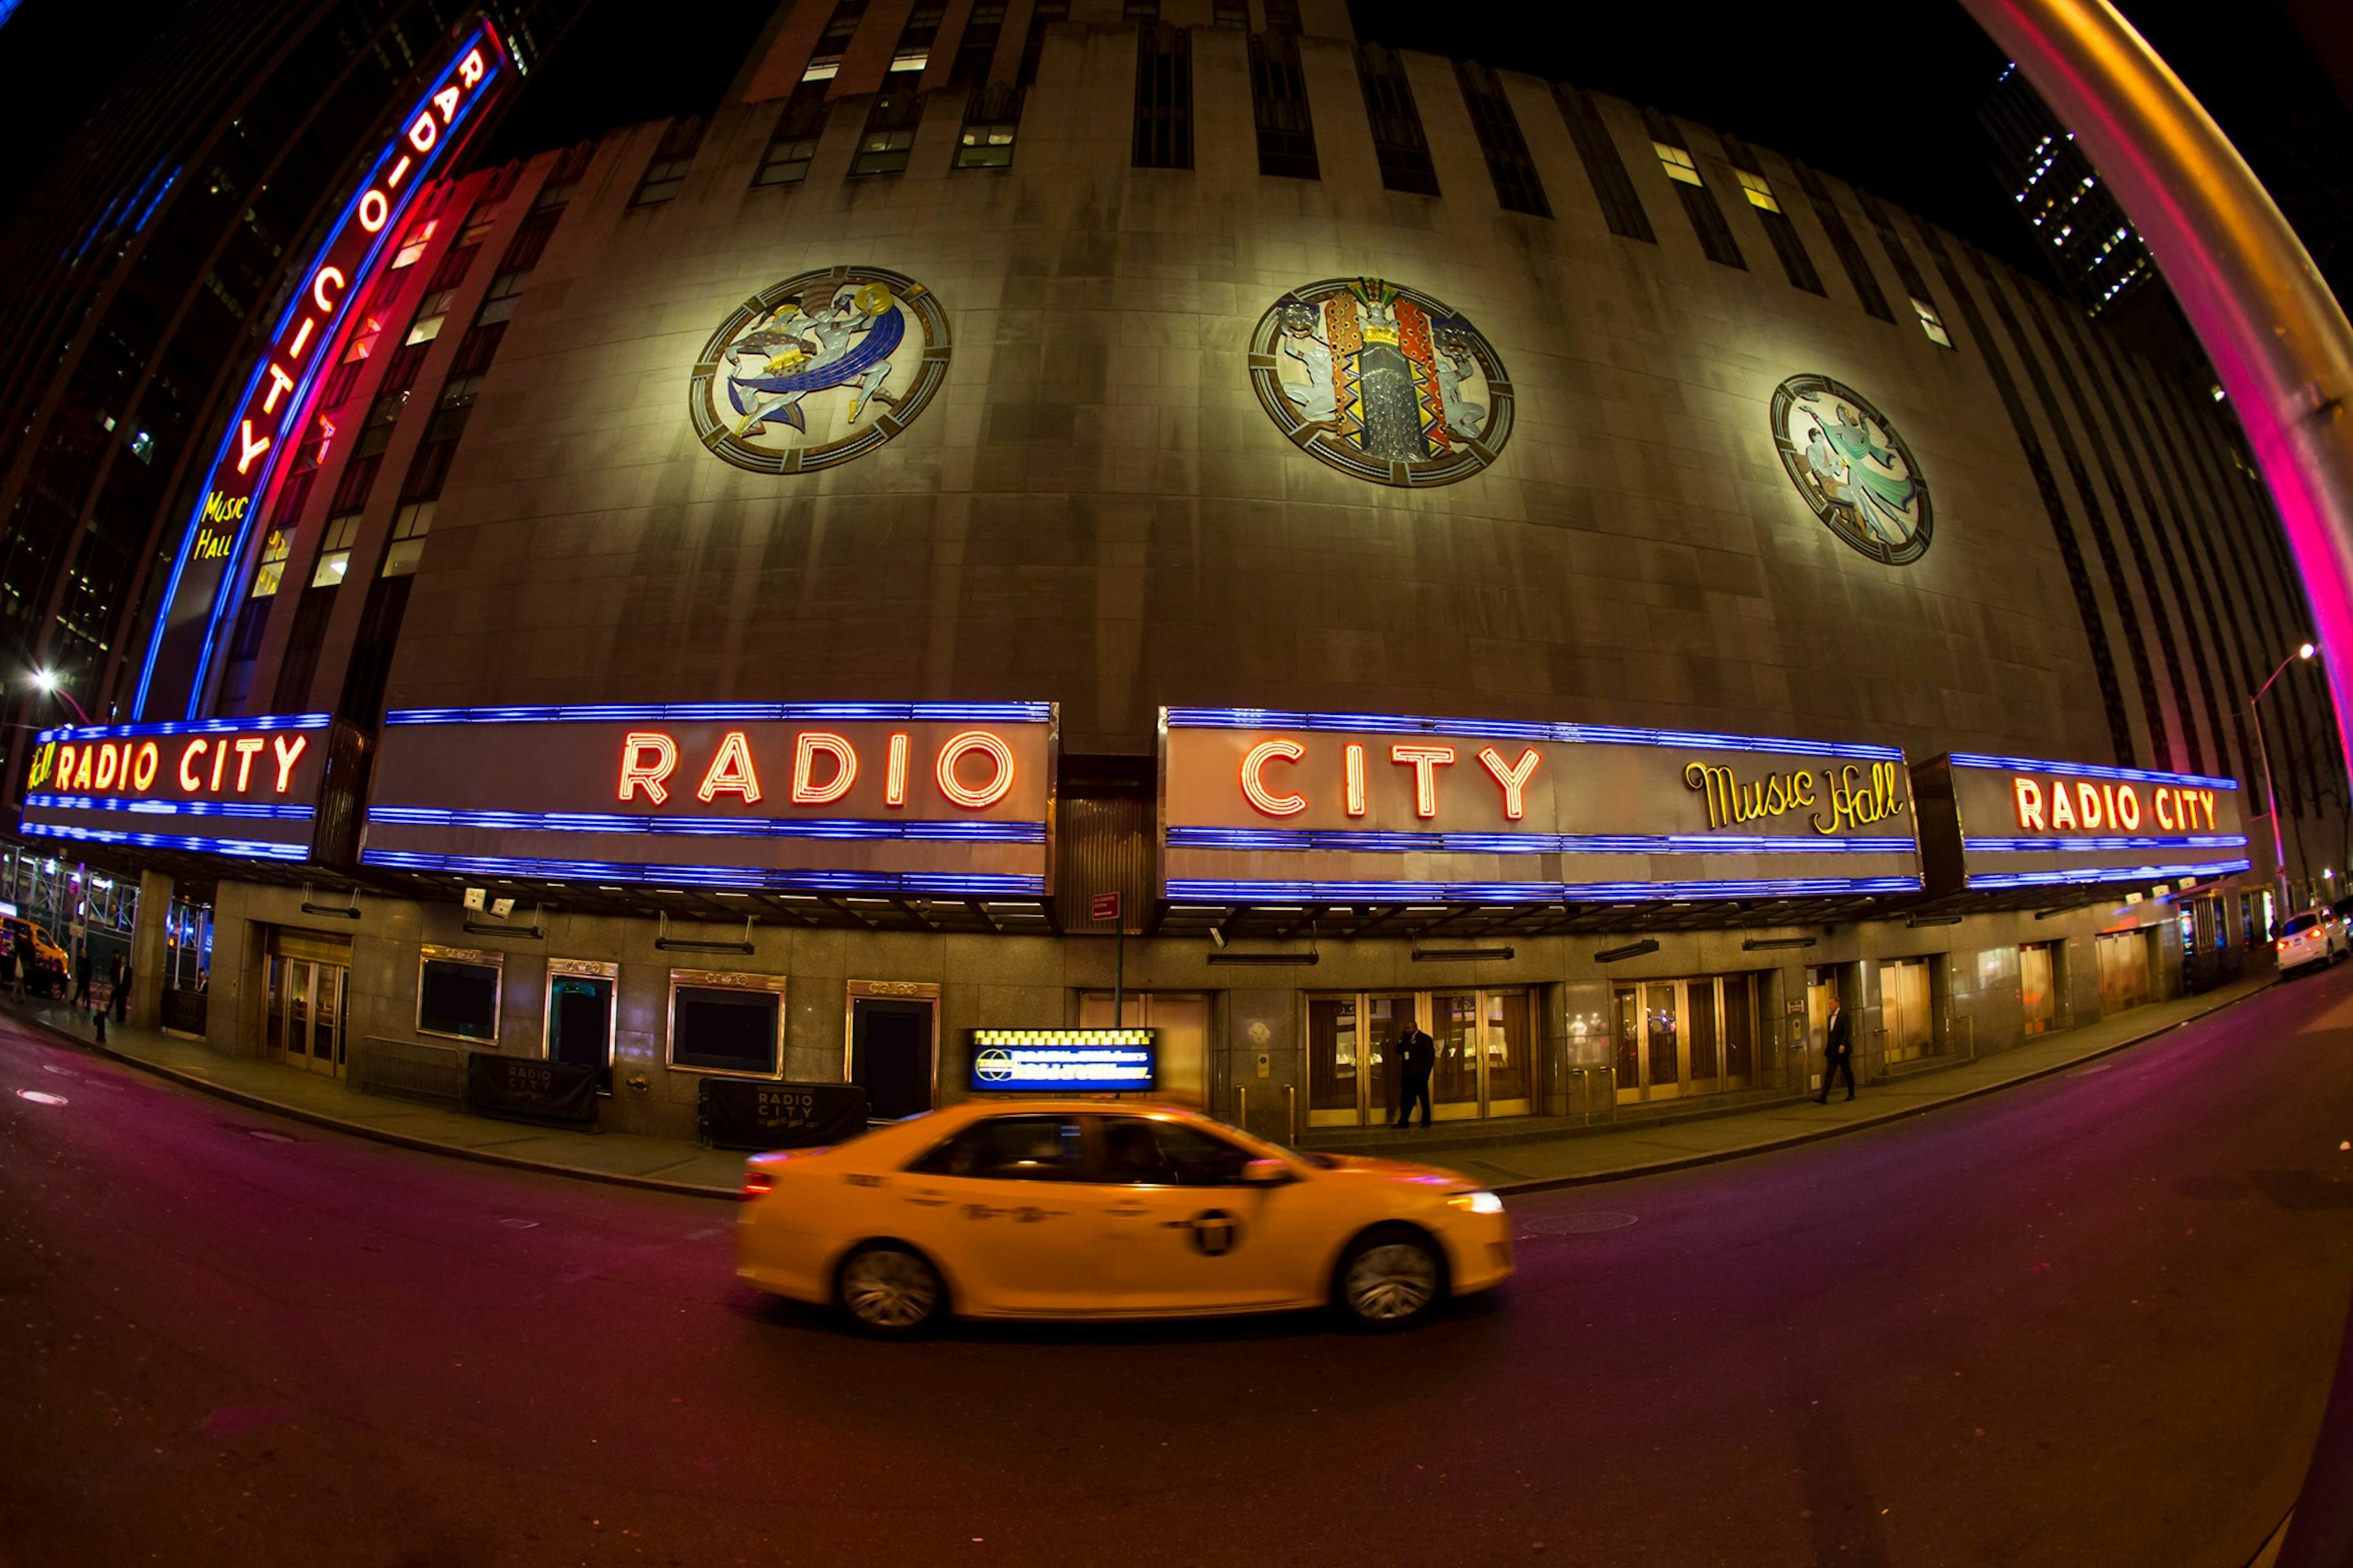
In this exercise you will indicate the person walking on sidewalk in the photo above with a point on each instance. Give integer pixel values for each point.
(1838, 1053)
(121, 989)
(1417, 1056)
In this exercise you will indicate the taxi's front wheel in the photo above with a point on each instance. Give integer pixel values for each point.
(1390, 1278)
(890, 1291)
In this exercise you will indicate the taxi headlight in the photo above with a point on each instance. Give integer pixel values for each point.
(1479, 1203)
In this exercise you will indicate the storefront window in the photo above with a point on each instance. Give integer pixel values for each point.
(726, 1023)
(458, 992)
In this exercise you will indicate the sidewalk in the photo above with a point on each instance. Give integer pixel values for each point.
(1570, 1158)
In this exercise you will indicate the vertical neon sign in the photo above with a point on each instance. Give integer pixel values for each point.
(277, 397)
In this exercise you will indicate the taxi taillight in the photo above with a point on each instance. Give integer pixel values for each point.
(757, 1184)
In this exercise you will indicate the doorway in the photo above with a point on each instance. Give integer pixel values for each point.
(305, 993)
(1679, 1037)
(1182, 1020)
(581, 998)
(2122, 959)
(893, 1046)
(2038, 993)
(1484, 1064)
(1906, 1013)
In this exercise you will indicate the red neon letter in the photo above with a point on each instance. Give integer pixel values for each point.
(220, 760)
(2165, 810)
(446, 101)
(894, 779)
(1356, 754)
(287, 757)
(1425, 761)
(1513, 779)
(469, 70)
(373, 218)
(2029, 802)
(143, 773)
(246, 746)
(106, 767)
(248, 449)
(81, 774)
(396, 174)
(805, 746)
(281, 383)
(2087, 805)
(636, 771)
(319, 288)
(989, 794)
(2206, 798)
(2127, 808)
(731, 770)
(1254, 760)
(64, 775)
(188, 754)
(422, 132)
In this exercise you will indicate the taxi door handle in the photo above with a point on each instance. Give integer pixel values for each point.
(928, 1200)
(1126, 1211)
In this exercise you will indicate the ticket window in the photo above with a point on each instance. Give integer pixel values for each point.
(1182, 1020)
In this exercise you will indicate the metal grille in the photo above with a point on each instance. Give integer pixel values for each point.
(409, 1071)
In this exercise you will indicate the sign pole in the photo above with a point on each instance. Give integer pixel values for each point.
(1105, 907)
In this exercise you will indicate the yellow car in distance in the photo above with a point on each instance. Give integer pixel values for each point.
(1097, 1209)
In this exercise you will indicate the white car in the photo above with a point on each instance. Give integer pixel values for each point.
(2314, 937)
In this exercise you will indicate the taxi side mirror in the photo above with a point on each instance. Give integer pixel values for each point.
(1267, 1174)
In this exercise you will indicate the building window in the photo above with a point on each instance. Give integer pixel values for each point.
(530, 242)
(890, 134)
(478, 223)
(666, 171)
(992, 119)
(498, 303)
(562, 180)
(977, 47)
(825, 61)
(410, 524)
(275, 549)
(1141, 10)
(1286, 131)
(1613, 188)
(1931, 323)
(1163, 98)
(1850, 255)
(1043, 14)
(1230, 14)
(336, 549)
(458, 992)
(726, 1023)
(1398, 138)
(1699, 203)
(414, 246)
(913, 50)
(1787, 243)
(425, 329)
(1506, 151)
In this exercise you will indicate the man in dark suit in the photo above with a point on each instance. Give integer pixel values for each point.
(1417, 1055)
(1838, 1053)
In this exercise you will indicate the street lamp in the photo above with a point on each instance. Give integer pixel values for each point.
(2271, 800)
(48, 680)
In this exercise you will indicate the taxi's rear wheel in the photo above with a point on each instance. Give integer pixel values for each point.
(890, 1291)
(1390, 1278)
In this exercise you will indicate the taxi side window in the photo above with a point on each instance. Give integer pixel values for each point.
(1012, 1149)
(1169, 1155)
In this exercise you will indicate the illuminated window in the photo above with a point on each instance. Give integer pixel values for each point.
(142, 446)
(410, 524)
(794, 141)
(414, 246)
(825, 59)
(890, 134)
(1677, 162)
(2218, 391)
(336, 549)
(1233, 13)
(1758, 190)
(992, 119)
(1141, 10)
(423, 331)
(478, 224)
(912, 61)
(1930, 323)
(274, 551)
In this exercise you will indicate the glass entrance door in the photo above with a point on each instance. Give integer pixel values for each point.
(2037, 997)
(1181, 1022)
(303, 1012)
(1482, 1042)
(1677, 1037)
(1905, 1013)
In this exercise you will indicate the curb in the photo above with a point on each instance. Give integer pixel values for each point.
(728, 1194)
(1795, 1139)
(375, 1134)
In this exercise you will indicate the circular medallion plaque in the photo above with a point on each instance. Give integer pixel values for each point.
(1852, 469)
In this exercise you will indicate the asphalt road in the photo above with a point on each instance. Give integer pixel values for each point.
(2090, 1320)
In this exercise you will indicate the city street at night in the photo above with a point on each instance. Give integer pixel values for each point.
(2091, 1319)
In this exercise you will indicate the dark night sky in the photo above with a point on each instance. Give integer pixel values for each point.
(1886, 99)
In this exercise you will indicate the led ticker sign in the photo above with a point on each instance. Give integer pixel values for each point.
(948, 799)
(277, 395)
(1381, 809)
(1064, 1061)
(245, 787)
(1994, 824)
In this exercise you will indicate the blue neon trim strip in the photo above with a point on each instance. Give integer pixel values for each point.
(251, 848)
(1235, 893)
(1199, 837)
(709, 826)
(173, 807)
(265, 722)
(1996, 881)
(395, 222)
(734, 713)
(912, 883)
(2030, 846)
(2085, 771)
(1516, 730)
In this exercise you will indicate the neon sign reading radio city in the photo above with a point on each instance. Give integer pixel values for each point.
(2085, 805)
(277, 395)
(100, 767)
(824, 767)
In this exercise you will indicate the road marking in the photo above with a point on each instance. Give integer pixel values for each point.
(520, 1223)
(40, 1097)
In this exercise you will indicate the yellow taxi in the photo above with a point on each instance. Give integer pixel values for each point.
(1090, 1208)
(50, 966)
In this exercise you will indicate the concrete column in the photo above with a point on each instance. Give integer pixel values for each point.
(149, 950)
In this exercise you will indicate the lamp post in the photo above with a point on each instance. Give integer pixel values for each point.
(2271, 800)
(47, 680)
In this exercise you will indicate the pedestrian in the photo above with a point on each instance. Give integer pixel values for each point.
(1417, 1056)
(81, 972)
(121, 989)
(1838, 1053)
